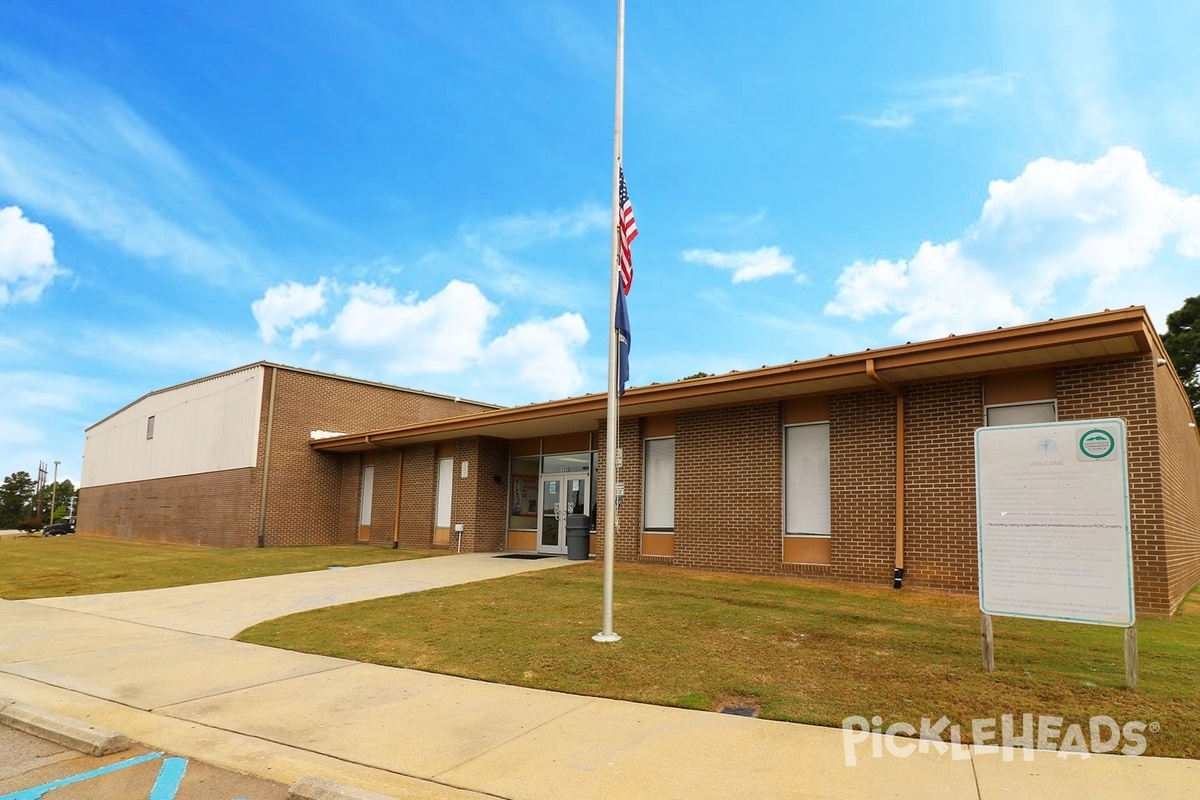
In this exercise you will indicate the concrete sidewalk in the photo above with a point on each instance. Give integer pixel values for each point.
(282, 715)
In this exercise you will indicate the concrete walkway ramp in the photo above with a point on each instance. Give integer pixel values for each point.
(226, 608)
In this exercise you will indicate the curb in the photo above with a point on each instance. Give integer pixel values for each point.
(320, 789)
(72, 733)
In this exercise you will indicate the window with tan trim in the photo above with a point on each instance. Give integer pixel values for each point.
(806, 480)
(523, 493)
(368, 494)
(658, 503)
(1021, 413)
(445, 480)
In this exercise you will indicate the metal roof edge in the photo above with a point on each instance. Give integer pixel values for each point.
(1133, 321)
(300, 370)
(173, 387)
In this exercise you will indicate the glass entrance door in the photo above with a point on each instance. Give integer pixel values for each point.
(560, 495)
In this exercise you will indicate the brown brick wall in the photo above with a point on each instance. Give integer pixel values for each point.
(941, 535)
(627, 538)
(349, 487)
(214, 509)
(418, 496)
(1125, 389)
(312, 497)
(729, 475)
(383, 499)
(862, 486)
(478, 501)
(1180, 446)
(303, 496)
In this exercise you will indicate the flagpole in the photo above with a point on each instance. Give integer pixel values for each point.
(606, 633)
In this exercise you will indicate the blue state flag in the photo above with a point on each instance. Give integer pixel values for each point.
(623, 340)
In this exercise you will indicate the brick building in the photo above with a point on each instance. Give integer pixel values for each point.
(847, 467)
(225, 461)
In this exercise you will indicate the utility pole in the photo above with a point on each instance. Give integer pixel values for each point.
(54, 492)
(41, 487)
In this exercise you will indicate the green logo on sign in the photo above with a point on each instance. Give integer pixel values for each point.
(1097, 443)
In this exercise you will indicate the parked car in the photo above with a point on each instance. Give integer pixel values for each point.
(60, 528)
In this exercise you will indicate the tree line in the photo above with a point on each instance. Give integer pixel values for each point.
(20, 501)
(1182, 341)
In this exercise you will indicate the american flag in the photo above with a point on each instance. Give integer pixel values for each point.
(628, 232)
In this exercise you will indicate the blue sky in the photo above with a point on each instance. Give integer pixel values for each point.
(418, 193)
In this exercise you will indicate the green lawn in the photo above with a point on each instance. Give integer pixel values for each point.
(796, 650)
(68, 565)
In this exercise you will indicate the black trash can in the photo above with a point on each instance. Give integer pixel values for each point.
(578, 526)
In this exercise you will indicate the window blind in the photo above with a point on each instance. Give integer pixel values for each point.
(807, 479)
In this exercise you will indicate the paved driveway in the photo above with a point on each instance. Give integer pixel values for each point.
(32, 768)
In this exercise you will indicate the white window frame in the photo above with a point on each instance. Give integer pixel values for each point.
(1047, 402)
(445, 489)
(366, 495)
(824, 521)
(651, 513)
(150, 427)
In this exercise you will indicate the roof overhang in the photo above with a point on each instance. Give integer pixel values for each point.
(1104, 336)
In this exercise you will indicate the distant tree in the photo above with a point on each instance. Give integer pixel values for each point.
(1183, 345)
(60, 497)
(698, 375)
(16, 498)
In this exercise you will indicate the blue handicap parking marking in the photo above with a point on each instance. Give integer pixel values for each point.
(166, 784)
(170, 775)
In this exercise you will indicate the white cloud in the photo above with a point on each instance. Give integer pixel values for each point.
(736, 223)
(747, 265)
(27, 263)
(937, 292)
(957, 97)
(541, 354)
(440, 334)
(893, 118)
(70, 148)
(281, 306)
(524, 255)
(1061, 238)
(1095, 220)
(522, 230)
(446, 333)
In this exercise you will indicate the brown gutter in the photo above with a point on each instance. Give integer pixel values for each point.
(262, 502)
(1058, 338)
(898, 573)
(399, 491)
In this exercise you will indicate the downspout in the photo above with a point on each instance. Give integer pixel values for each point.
(262, 502)
(898, 572)
(399, 490)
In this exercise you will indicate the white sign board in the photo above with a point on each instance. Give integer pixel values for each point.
(1053, 515)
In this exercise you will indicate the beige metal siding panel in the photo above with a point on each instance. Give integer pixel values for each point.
(206, 426)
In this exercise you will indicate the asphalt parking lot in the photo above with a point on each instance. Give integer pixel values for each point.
(32, 768)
